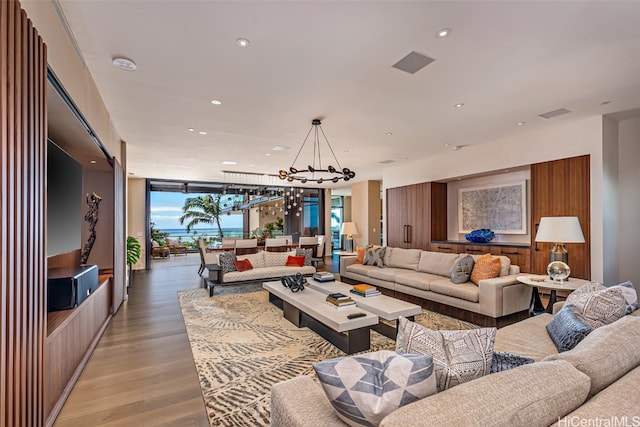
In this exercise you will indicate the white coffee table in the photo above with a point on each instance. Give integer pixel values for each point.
(383, 306)
(308, 308)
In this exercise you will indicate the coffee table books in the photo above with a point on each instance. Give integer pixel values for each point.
(365, 290)
(339, 300)
(323, 277)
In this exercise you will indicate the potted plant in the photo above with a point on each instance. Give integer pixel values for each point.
(133, 255)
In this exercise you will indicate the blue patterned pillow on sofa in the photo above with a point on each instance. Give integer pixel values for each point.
(566, 329)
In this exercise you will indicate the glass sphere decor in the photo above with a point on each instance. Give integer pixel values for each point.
(558, 271)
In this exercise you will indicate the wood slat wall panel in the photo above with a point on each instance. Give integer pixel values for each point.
(22, 223)
(119, 249)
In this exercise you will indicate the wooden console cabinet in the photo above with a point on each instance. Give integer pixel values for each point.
(519, 255)
(71, 337)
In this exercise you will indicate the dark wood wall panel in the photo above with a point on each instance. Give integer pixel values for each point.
(562, 188)
(22, 223)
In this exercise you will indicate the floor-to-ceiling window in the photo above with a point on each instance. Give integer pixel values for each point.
(244, 211)
(337, 213)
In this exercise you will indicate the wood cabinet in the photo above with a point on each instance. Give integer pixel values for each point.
(518, 254)
(416, 214)
(561, 188)
(71, 337)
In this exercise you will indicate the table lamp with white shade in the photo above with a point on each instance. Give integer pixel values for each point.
(559, 230)
(349, 229)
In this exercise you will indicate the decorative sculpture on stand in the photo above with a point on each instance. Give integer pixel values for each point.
(93, 200)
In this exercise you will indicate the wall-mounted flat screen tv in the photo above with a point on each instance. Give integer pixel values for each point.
(64, 202)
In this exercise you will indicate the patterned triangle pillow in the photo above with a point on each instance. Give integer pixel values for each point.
(363, 389)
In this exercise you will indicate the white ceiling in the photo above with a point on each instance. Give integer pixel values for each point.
(506, 61)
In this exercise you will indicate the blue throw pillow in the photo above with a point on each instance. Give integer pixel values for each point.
(566, 329)
(503, 361)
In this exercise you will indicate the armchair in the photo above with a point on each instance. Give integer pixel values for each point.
(176, 247)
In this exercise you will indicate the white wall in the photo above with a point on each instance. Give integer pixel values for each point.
(136, 225)
(629, 201)
(610, 198)
(554, 142)
(365, 212)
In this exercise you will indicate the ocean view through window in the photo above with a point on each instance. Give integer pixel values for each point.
(165, 213)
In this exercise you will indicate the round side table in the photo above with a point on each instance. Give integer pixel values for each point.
(540, 281)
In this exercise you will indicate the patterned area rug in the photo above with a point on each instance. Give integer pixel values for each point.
(242, 345)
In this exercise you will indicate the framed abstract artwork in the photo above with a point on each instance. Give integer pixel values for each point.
(499, 207)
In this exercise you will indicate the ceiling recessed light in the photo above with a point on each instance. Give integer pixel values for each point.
(229, 162)
(520, 123)
(243, 42)
(191, 129)
(202, 132)
(459, 105)
(267, 154)
(93, 162)
(124, 64)
(389, 133)
(280, 148)
(444, 32)
(216, 102)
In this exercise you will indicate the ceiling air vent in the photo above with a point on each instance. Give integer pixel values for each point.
(554, 113)
(413, 62)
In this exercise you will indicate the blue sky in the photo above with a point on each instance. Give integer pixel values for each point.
(166, 209)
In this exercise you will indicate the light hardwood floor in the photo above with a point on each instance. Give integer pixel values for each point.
(142, 371)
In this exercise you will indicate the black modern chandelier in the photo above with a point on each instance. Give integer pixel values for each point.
(314, 172)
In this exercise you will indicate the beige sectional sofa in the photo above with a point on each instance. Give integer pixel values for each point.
(596, 382)
(412, 274)
(266, 266)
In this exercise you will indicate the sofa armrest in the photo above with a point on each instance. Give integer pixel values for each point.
(300, 402)
(345, 261)
(491, 293)
(557, 306)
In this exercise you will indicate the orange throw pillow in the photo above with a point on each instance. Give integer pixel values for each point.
(295, 261)
(243, 265)
(486, 267)
(360, 256)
